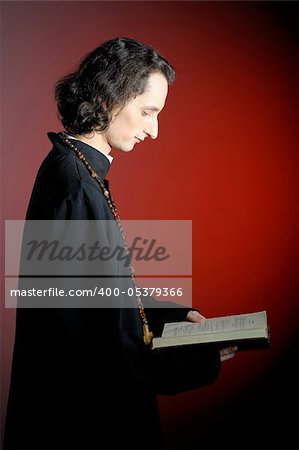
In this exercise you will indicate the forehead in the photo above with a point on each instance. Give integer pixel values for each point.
(155, 92)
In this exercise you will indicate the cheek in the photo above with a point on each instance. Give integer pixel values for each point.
(123, 125)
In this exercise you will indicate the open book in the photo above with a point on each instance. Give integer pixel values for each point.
(247, 331)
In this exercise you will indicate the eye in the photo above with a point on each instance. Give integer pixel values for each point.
(144, 113)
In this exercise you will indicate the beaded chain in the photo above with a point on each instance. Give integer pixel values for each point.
(147, 334)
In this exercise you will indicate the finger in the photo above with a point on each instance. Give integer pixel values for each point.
(228, 350)
(195, 316)
(227, 357)
(228, 353)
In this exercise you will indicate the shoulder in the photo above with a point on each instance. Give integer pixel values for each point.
(64, 189)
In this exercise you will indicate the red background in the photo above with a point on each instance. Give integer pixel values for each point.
(226, 157)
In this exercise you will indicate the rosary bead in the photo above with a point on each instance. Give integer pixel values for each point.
(147, 335)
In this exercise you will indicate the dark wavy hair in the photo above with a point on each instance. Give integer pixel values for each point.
(108, 77)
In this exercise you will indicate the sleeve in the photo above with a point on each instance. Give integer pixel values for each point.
(171, 370)
(76, 207)
(158, 313)
(164, 371)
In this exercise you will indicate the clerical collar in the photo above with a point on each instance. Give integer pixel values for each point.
(110, 158)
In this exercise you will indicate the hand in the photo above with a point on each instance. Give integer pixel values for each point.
(225, 353)
(228, 353)
(194, 316)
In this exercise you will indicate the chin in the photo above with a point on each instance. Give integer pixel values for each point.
(127, 148)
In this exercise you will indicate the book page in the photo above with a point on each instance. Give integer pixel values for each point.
(239, 322)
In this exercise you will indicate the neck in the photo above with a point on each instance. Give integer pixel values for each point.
(96, 140)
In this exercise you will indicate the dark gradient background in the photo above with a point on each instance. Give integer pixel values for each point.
(226, 157)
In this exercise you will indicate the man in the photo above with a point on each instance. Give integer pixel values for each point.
(88, 378)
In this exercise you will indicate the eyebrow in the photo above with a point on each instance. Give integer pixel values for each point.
(151, 108)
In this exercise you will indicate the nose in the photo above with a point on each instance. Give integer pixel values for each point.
(152, 128)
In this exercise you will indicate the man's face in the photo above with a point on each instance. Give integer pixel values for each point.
(139, 118)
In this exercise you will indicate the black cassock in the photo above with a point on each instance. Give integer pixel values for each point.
(83, 378)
